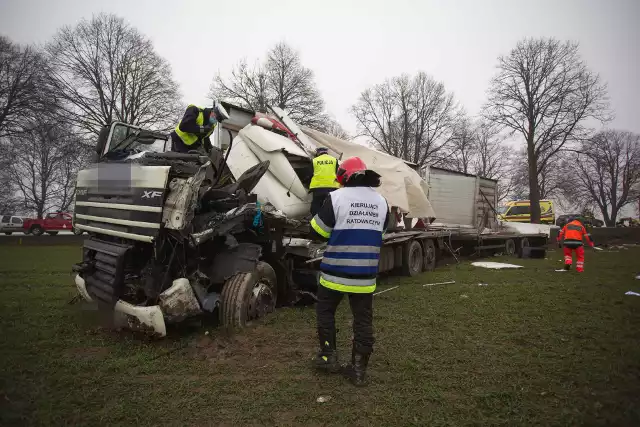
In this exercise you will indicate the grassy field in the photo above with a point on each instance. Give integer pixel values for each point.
(533, 347)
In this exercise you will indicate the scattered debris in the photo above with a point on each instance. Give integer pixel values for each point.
(638, 277)
(386, 290)
(464, 296)
(597, 248)
(439, 283)
(206, 332)
(560, 271)
(632, 293)
(483, 284)
(323, 399)
(494, 265)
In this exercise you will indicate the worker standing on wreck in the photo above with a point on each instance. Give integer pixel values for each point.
(571, 238)
(196, 127)
(324, 181)
(353, 218)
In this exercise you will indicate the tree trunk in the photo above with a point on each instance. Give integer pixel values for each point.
(534, 190)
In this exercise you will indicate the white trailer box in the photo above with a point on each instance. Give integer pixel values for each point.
(461, 199)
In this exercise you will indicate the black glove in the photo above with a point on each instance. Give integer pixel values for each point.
(206, 129)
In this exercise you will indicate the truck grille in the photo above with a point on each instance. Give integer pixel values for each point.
(104, 274)
(121, 200)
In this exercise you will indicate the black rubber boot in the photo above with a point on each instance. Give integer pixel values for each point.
(327, 358)
(567, 267)
(356, 372)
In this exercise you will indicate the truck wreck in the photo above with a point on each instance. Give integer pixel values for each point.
(173, 235)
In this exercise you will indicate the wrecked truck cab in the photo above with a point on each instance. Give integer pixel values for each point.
(173, 235)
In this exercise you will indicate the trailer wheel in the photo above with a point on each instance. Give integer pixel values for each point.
(524, 243)
(412, 258)
(429, 255)
(76, 231)
(8, 233)
(248, 296)
(36, 230)
(510, 247)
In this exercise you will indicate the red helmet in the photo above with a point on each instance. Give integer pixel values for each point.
(350, 167)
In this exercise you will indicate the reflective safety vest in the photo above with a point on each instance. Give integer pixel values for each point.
(324, 172)
(573, 233)
(191, 138)
(350, 261)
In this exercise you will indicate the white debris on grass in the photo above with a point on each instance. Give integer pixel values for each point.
(440, 283)
(597, 248)
(494, 265)
(638, 277)
(632, 293)
(483, 284)
(323, 399)
(386, 290)
(560, 271)
(464, 296)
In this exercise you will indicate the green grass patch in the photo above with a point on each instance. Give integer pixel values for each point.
(533, 347)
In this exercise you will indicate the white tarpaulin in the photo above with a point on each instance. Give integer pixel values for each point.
(401, 185)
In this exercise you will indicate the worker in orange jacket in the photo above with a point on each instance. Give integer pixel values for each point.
(571, 238)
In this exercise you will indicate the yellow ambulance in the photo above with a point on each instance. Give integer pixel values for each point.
(520, 211)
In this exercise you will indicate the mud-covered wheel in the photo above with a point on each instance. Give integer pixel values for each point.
(510, 247)
(412, 258)
(248, 296)
(36, 230)
(429, 255)
(76, 231)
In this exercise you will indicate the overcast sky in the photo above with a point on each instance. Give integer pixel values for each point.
(351, 45)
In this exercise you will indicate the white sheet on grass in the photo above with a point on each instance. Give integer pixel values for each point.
(494, 265)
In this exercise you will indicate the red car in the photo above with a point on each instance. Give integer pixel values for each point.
(51, 224)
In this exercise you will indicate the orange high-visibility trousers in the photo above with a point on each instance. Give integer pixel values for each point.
(568, 259)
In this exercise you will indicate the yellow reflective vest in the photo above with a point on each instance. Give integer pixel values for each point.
(324, 172)
(191, 138)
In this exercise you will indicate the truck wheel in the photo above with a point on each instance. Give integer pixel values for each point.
(36, 230)
(8, 233)
(412, 258)
(248, 296)
(524, 243)
(510, 247)
(76, 231)
(429, 255)
(52, 233)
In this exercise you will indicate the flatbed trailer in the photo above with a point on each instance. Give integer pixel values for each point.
(410, 252)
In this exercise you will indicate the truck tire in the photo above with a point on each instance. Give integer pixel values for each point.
(76, 231)
(36, 230)
(52, 233)
(510, 247)
(429, 255)
(412, 258)
(8, 233)
(524, 243)
(248, 296)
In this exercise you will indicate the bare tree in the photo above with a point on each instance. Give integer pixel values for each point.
(104, 70)
(550, 178)
(333, 128)
(545, 92)
(409, 117)
(606, 173)
(45, 160)
(281, 81)
(493, 159)
(464, 146)
(21, 83)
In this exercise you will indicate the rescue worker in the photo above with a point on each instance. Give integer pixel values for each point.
(196, 127)
(571, 239)
(353, 218)
(324, 178)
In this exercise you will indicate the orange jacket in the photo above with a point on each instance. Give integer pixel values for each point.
(572, 234)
